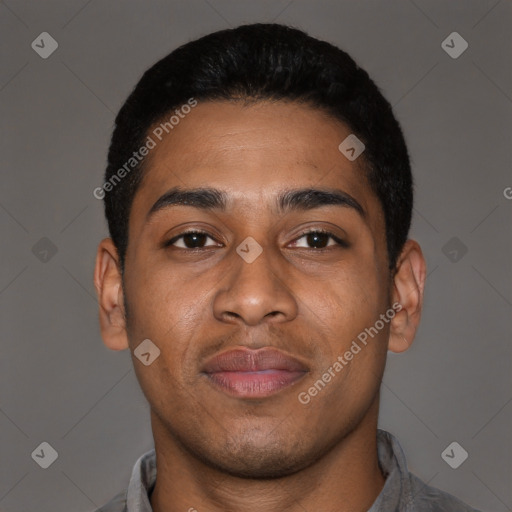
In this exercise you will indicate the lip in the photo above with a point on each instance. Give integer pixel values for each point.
(250, 373)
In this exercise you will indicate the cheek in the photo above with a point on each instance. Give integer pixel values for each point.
(172, 312)
(156, 297)
(171, 323)
(345, 307)
(346, 302)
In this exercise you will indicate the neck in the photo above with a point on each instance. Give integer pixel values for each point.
(347, 478)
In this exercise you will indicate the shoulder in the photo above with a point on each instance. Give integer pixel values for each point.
(116, 504)
(403, 490)
(426, 498)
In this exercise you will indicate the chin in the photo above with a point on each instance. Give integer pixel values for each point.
(258, 456)
(258, 464)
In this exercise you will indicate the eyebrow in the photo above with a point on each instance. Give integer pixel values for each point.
(290, 200)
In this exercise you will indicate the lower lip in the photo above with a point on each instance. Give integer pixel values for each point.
(257, 384)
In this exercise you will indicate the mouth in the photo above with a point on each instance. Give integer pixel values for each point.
(246, 373)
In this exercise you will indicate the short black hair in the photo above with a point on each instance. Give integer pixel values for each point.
(264, 62)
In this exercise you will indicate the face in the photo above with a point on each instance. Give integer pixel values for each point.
(255, 306)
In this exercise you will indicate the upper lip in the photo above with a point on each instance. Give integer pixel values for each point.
(248, 360)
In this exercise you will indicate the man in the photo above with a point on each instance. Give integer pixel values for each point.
(258, 196)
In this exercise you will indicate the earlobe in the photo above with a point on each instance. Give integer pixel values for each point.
(408, 287)
(109, 289)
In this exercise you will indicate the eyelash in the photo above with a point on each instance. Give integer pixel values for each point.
(338, 241)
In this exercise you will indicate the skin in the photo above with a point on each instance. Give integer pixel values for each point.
(217, 452)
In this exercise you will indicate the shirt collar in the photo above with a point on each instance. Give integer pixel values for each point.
(141, 483)
(394, 468)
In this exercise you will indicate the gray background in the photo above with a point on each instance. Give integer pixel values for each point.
(58, 382)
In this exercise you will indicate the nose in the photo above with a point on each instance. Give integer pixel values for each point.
(255, 292)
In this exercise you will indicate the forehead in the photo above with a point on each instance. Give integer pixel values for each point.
(251, 151)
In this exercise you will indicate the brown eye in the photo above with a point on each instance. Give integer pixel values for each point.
(190, 240)
(318, 239)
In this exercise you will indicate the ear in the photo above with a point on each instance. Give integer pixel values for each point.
(109, 288)
(408, 286)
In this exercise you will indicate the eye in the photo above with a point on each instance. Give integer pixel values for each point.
(315, 239)
(319, 239)
(190, 240)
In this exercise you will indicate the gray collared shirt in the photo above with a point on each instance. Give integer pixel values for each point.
(402, 492)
